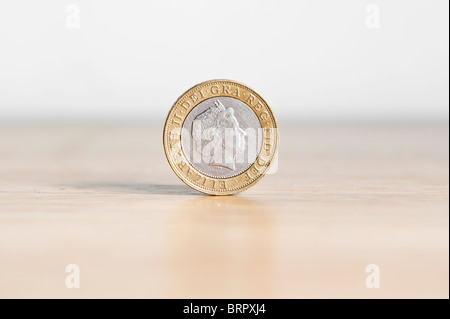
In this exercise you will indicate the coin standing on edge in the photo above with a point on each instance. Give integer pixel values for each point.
(220, 137)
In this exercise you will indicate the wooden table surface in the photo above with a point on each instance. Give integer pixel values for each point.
(104, 198)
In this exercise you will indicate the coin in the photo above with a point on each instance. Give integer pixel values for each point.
(220, 137)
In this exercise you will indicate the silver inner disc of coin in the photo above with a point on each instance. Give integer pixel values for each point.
(221, 137)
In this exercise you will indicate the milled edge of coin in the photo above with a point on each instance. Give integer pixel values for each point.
(172, 137)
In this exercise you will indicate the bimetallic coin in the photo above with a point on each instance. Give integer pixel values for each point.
(220, 137)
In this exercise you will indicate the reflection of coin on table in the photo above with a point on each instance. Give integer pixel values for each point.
(220, 137)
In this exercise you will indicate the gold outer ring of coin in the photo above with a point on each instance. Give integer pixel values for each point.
(172, 137)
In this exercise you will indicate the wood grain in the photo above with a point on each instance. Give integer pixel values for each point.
(344, 196)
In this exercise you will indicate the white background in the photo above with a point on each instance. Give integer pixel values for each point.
(311, 60)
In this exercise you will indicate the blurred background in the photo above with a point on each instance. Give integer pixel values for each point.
(105, 60)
